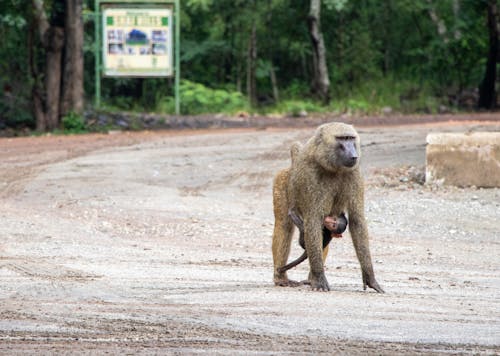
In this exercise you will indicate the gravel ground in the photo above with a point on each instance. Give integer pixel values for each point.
(159, 242)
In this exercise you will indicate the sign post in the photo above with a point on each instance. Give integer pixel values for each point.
(137, 38)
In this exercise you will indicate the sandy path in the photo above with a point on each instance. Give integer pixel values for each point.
(160, 243)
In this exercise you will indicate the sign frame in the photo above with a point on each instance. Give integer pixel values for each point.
(101, 6)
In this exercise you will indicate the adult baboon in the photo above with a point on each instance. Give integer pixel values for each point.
(323, 180)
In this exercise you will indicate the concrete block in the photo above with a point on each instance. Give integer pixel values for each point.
(463, 159)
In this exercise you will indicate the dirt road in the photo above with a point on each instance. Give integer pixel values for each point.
(155, 243)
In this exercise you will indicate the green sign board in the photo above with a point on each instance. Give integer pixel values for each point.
(137, 42)
(137, 39)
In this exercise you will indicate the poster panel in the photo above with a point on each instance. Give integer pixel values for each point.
(137, 41)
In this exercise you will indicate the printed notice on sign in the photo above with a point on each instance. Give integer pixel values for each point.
(137, 42)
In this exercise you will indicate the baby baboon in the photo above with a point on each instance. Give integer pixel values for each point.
(336, 226)
(323, 180)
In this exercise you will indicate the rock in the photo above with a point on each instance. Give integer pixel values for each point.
(386, 110)
(443, 109)
(103, 119)
(122, 121)
(416, 175)
(463, 159)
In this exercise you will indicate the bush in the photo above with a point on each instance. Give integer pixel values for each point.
(73, 123)
(295, 89)
(15, 113)
(198, 99)
(371, 96)
(296, 108)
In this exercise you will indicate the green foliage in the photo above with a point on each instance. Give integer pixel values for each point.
(73, 123)
(15, 82)
(203, 5)
(297, 108)
(166, 105)
(373, 96)
(296, 89)
(14, 113)
(12, 20)
(379, 53)
(198, 99)
(124, 102)
(335, 4)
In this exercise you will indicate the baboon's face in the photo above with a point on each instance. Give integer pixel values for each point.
(345, 154)
(337, 147)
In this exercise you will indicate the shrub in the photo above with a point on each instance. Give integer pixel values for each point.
(73, 123)
(371, 96)
(295, 108)
(198, 99)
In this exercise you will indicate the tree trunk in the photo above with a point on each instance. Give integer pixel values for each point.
(239, 74)
(320, 83)
(438, 22)
(37, 93)
(274, 83)
(53, 77)
(487, 92)
(270, 53)
(46, 102)
(63, 83)
(38, 109)
(72, 83)
(251, 66)
(41, 20)
(457, 34)
(387, 33)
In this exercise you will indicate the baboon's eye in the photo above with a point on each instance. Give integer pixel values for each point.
(344, 138)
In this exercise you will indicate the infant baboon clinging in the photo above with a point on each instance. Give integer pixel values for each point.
(337, 226)
(323, 180)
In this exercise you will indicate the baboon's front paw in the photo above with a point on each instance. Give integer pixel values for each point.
(320, 284)
(374, 285)
(371, 282)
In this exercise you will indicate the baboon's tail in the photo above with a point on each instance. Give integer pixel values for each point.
(292, 264)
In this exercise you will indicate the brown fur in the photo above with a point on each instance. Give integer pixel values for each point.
(317, 185)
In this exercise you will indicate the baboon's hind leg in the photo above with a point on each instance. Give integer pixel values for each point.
(282, 238)
(283, 229)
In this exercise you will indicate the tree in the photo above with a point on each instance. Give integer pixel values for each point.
(487, 91)
(61, 37)
(72, 85)
(252, 61)
(397, 53)
(320, 84)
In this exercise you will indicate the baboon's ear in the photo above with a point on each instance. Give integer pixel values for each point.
(294, 150)
(319, 136)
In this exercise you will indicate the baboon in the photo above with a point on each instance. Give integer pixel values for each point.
(337, 227)
(323, 180)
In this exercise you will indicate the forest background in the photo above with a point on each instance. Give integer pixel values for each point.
(259, 56)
